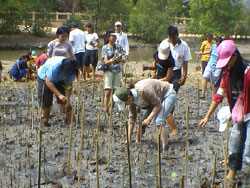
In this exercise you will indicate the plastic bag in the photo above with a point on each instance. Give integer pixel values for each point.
(237, 112)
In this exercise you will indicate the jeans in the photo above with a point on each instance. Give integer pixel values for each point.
(239, 142)
(167, 106)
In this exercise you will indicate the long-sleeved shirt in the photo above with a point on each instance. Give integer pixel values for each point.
(122, 40)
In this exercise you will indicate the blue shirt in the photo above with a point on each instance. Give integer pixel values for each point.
(213, 57)
(52, 70)
(14, 71)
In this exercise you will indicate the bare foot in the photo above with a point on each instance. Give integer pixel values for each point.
(174, 132)
(223, 162)
(231, 175)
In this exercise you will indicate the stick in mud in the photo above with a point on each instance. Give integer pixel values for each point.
(97, 160)
(77, 102)
(110, 129)
(93, 89)
(128, 155)
(81, 144)
(182, 182)
(198, 102)
(40, 157)
(187, 147)
(214, 169)
(70, 141)
(159, 158)
(32, 110)
(226, 150)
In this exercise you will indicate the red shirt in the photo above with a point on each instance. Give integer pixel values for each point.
(40, 59)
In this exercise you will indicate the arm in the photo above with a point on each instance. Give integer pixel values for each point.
(184, 75)
(213, 106)
(68, 92)
(154, 112)
(126, 46)
(96, 44)
(53, 89)
(169, 75)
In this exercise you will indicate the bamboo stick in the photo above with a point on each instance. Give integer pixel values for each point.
(40, 157)
(187, 145)
(93, 89)
(182, 182)
(159, 158)
(77, 102)
(32, 110)
(128, 156)
(214, 169)
(97, 160)
(81, 145)
(198, 102)
(226, 150)
(140, 123)
(110, 130)
(70, 142)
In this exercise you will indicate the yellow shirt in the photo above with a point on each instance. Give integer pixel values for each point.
(31, 63)
(205, 47)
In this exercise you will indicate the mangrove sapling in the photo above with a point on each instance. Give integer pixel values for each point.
(81, 144)
(214, 169)
(70, 142)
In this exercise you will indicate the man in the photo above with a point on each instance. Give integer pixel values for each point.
(181, 54)
(56, 77)
(122, 40)
(205, 51)
(77, 38)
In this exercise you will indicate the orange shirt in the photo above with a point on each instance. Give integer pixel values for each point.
(205, 47)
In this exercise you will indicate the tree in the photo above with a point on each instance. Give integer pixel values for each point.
(217, 16)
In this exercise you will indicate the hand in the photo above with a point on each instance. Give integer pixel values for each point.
(203, 122)
(144, 67)
(182, 81)
(63, 99)
(146, 122)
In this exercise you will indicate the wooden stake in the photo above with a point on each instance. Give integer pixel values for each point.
(81, 145)
(32, 110)
(214, 170)
(159, 158)
(110, 130)
(128, 156)
(198, 103)
(226, 150)
(40, 157)
(187, 145)
(182, 182)
(77, 102)
(97, 160)
(93, 89)
(70, 142)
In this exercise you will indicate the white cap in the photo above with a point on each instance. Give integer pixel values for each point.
(121, 105)
(223, 115)
(163, 50)
(118, 23)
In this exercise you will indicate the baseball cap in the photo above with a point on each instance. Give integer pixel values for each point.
(225, 50)
(163, 50)
(223, 115)
(119, 97)
(118, 23)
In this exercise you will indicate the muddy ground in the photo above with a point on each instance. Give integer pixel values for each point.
(19, 147)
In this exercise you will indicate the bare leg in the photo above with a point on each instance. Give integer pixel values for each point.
(107, 93)
(130, 132)
(45, 116)
(231, 175)
(86, 71)
(214, 90)
(172, 125)
(164, 136)
(204, 87)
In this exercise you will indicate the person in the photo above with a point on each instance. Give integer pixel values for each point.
(41, 59)
(20, 68)
(181, 54)
(77, 38)
(113, 56)
(158, 100)
(31, 62)
(91, 55)
(1, 69)
(210, 71)
(205, 51)
(163, 63)
(56, 77)
(122, 40)
(235, 80)
(60, 46)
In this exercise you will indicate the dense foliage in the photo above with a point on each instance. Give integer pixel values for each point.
(145, 18)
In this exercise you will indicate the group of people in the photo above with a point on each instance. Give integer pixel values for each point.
(156, 95)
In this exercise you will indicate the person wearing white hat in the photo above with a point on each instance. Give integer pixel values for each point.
(121, 38)
(158, 100)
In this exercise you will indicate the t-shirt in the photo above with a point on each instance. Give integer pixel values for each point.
(91, 37)
(41, 58)
(213, 56)
(163, 65)
(52, 70)
(78, 38)
(122, 40)
(205, 47)
(14, 71)
(57, 49)
(180, 53)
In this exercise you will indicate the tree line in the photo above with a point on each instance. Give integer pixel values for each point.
(147, 19)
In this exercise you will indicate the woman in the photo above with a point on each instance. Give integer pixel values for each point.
(210, 71)
(60, 46)
(91, 55)
(235, 79)
(113, 56)
(158, 98)
(205, 50)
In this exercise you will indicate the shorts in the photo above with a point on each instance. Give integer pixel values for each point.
(80, 58)
(212, 73)
(167, 105)
(203, 66)
(175, 79)
(112, 80)
(90, 57)
(46, 96)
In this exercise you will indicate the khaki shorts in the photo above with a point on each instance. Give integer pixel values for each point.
(112, 80)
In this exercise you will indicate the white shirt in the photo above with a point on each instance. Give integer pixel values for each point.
(91, 37)
(180, 53)
(122, 40)
(78, 37)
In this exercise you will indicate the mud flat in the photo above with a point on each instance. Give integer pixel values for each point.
(19, 147)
